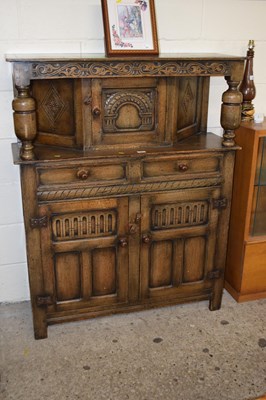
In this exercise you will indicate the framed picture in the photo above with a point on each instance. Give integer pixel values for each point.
(130, 27)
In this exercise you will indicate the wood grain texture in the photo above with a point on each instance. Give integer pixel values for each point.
(126, 198)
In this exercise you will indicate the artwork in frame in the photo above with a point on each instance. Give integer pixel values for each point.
(130, 27)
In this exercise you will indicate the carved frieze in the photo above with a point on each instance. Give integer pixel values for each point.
(102, 191)
(91, 69)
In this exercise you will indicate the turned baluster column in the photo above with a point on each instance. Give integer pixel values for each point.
(247, 86)
(231, 112)
(25, 121)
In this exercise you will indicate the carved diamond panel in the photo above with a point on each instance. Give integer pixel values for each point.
(179, 215)
(82, 226)
(53, 105)
(187, 110)
(188, 98)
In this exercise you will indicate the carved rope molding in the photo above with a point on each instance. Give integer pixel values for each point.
(128, 68)
(76, 193)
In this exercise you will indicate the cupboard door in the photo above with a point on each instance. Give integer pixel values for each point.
(258, 210)
(59, 110)
(178, 243)
(193, 94)
(127, 112)
(85, 253)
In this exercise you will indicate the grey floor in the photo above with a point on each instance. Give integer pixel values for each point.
(175, 353)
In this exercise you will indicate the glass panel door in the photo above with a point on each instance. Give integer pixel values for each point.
(258, 214)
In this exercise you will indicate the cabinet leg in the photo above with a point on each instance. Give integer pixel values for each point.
(216, 301)
(215, 304)
(39, 323)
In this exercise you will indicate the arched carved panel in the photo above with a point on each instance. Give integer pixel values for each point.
(131, 110)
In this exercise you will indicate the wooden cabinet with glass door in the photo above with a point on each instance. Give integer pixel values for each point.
(246, 257)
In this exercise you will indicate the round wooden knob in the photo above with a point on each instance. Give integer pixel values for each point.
(83, 174)
(146, 238)
(123, 242)
(182, 167)
(96, 111)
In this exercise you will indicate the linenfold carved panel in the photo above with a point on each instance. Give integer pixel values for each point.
(128, 68)
(167, 216)
(131, 109)
(82, 226)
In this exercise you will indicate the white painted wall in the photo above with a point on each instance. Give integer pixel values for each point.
(34, 26)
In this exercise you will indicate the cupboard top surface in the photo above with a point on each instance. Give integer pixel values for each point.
(102, 57)
(47, 66)
(196, 144)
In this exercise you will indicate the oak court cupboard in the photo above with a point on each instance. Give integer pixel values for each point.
(126, 197)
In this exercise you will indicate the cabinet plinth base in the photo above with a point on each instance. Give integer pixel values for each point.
(241, 297)
(84, 314)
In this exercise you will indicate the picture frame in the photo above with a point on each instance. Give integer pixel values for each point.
(130, 27)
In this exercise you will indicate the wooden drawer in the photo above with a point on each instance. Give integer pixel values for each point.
(82, 173)
(181, 167)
